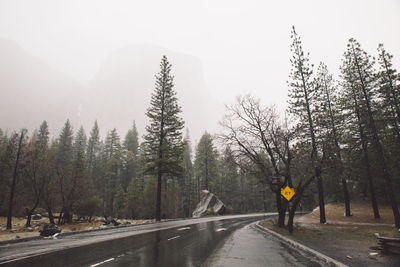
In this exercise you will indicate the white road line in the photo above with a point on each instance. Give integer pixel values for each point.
(175, 237)
(102, 262)
(183, 228)
(220, 229)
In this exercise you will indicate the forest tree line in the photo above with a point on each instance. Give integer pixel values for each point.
(338, 142)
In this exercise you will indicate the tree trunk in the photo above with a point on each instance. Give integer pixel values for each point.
(322, 218)
(28, 218)
(338, 151)
(198, 189)
(51, 216)
(264, 200)
(67, 218)
(364, 144)
(292, 212)
(10, 203)
(158, 201)
(314, 153)
(281, 210)
(346, 197)
(60, 217)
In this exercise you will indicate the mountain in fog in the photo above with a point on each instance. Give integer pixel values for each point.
(118, 94)
(32, 91)
(120, 91)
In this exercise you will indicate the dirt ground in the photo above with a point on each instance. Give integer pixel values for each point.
(350, 240)
(20, 231)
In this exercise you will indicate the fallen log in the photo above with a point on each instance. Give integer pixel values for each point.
(388, 244)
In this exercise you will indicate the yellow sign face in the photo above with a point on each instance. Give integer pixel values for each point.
(287, 192)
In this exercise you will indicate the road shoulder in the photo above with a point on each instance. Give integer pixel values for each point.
(252, 247)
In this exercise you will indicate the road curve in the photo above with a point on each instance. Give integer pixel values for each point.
(77, 250)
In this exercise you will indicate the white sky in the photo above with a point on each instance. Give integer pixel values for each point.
(244, 45)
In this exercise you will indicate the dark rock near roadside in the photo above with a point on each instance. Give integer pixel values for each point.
(36, 217)
(110, 220)
(49, 230)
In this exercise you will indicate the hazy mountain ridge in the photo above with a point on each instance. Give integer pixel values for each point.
(32, 91)
(118, 94)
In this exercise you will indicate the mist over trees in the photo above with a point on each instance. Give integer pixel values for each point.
(337, 142)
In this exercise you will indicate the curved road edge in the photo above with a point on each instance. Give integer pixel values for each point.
(302, 247)
(38, 237)
(39, 246)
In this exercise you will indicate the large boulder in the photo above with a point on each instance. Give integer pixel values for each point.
(209, 203)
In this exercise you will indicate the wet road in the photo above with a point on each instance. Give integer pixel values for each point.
(175, 243)
(251, 247)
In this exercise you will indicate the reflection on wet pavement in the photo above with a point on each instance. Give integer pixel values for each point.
(181, 246)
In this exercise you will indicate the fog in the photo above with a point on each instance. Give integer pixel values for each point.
(88, 60)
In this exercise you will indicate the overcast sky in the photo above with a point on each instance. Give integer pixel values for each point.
(243, 45)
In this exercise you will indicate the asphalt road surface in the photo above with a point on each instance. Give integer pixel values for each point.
(212, 241)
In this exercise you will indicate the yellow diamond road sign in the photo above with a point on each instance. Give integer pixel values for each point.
(287, 192)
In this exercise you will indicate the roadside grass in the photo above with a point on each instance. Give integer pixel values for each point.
(347, 239)
(361, 226)
(331, 232)
(19, 229)
(362, 213)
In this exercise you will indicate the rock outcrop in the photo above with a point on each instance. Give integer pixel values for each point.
(209, 203)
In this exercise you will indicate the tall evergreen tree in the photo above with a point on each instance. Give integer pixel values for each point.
(15, 175)
(64, 170)
(93, 147)
(80, 143)
(188, 190)
(131, 159)
(36, 169)
(131, 141)
(351, 100)
(302, 94)
(329, 121)
(365, 79)
(389, 86)
(112, 154)
(206, 164)
(163, 139)
(229, 179)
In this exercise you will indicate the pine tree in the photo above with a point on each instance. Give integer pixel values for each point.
(80, 143)
(350, 101)
(329, 121)
(302, 94)
(36, 169)
(134, 198)
(64, 170)
(389, 86)
(112, 153)
(93, 148)
(229, 179)
(131, 141)
(365, 79)
(46, 171)
(189, 194)
(205, 164)
(131, 159)
(163, 139)
(15, 175)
